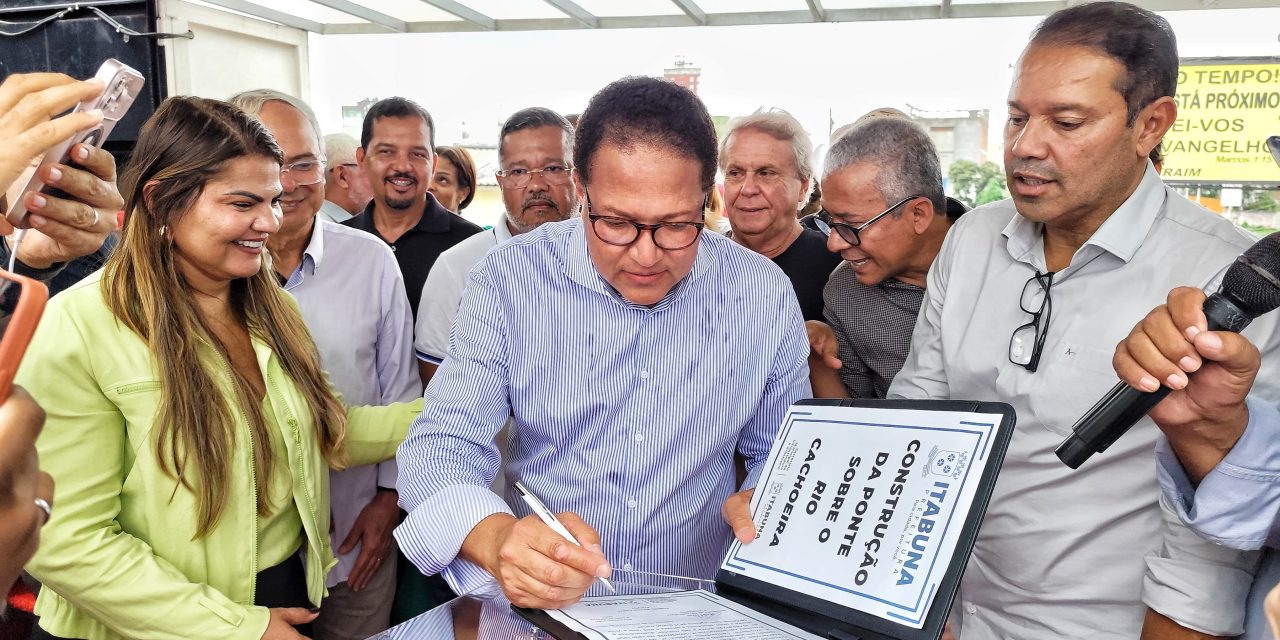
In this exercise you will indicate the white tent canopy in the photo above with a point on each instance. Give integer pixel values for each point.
(434, 16)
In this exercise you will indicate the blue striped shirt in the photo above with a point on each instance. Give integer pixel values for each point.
(624, 414)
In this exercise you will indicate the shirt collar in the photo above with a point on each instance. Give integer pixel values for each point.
(314, 252)
(435, 218)
(1121, 234)
(894, 283)
(582, 270)
(501, 231)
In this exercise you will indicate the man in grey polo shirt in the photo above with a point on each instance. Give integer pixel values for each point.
(352, 298)
(1025, 303)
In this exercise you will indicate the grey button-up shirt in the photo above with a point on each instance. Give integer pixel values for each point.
(1063, 553)
(873, 329)
(352, 298)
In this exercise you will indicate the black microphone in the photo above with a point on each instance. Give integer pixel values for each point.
(1250, 288)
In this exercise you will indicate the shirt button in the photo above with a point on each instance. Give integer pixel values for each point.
(627, 566)
(970, 609)
(631, 504)
(639, 437)
(644, 375)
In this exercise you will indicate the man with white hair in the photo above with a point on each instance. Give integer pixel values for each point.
(346, 189)
(765, 158)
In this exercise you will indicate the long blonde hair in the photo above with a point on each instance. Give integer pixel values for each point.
(185, 144)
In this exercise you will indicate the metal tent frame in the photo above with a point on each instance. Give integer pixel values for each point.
(393, 16)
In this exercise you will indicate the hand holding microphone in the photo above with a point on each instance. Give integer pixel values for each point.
(1188, 350)
(1209, 373)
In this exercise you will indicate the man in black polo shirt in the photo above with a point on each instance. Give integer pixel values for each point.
(767, 175)
(397, 155)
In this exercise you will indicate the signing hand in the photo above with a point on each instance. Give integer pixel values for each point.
(1211, 372)
(372, 530)
(21, 482)
(535, 566)
(736, 511)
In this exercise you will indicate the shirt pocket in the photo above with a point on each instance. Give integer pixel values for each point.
(139, 403)
(1076, 376)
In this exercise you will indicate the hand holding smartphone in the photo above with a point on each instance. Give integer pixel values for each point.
(122, 85)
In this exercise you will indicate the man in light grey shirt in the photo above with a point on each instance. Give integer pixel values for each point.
(349, 289)
(1025, 304)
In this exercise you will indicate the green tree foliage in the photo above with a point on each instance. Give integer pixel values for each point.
(1260, 200)
(992, 192)
(975, 184)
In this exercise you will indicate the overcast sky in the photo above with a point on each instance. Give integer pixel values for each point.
(472, 81)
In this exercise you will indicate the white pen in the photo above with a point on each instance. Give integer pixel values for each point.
(552, 521)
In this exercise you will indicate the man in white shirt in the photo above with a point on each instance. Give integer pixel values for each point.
(1024, 304)
(535, 153)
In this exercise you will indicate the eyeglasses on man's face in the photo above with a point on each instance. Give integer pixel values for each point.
(304, 172)
(622, 232)
(1027, 342)
(555, 174)
(850, 233)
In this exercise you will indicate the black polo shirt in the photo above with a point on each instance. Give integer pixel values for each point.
(419, 247)
(808, 265)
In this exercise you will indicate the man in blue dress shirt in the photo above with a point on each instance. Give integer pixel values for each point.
(636, 356)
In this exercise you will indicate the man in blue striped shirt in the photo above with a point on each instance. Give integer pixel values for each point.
(636, 356)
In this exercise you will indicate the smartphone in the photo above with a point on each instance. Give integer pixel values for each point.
(21, 304)
(123, 85)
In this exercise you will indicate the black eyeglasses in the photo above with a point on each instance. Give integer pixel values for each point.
(622, 232)
(1027, 342)
(850, 233)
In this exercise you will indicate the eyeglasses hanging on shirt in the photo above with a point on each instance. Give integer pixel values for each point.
(1027, 342)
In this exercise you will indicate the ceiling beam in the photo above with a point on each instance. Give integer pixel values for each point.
(820, 15)
(804, 16)
(279, 17)
(571, 9)
(464, 12)
(691, 9)
(365, 13)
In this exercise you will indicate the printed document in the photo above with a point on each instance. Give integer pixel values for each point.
(683, 615)
(863, 507)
